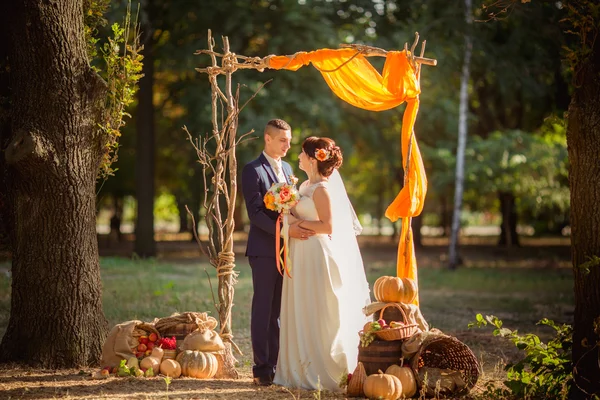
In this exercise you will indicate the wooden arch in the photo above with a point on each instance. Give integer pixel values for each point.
(216, 152)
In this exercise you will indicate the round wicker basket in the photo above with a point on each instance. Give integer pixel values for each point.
(447, 353)
(400, 333)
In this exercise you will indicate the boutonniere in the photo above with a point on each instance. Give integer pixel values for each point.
(293, 179)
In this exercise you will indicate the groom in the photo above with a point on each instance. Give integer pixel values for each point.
(257, 178)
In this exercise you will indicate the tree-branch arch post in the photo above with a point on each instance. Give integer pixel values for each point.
(217, 154)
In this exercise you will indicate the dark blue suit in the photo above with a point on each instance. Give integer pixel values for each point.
(257, 178)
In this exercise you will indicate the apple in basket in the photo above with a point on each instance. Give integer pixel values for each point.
(153, 337)
(396, 324)
(144, 339)
(383, 324)
(142, 347)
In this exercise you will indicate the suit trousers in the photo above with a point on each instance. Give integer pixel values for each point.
(264, 323)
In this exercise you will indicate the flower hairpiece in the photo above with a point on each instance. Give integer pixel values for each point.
(322, 155)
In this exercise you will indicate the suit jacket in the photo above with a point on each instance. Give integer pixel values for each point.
(257, 178)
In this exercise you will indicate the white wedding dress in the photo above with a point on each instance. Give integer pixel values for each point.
(321, 305)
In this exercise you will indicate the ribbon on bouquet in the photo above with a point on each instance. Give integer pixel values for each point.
(282, 253)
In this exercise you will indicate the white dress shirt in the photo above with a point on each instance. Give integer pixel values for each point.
(277, 167)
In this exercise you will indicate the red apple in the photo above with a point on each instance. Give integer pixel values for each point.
(381, 322)
(114, 370)
(153, 337)
(139, 354)
(142, 347)
(150, 345)
(144, 339)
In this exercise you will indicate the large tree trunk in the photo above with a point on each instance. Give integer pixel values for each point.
(184, 224)
(453, 256)
(238, 219)
(508, 227)
(417, 224)
(145, 246)
(56, 317)
(5, 137)
(583, 139)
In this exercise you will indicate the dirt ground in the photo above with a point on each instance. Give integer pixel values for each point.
(18, 382)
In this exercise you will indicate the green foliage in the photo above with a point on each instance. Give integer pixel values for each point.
(532, 167)
(594, 262)
(546, 369)
(123, 66)
(582, 19)
(93, 18)
(165, 207)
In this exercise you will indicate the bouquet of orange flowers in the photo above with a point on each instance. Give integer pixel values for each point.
(281, 197)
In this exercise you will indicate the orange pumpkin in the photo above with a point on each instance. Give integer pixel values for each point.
(382, 387)
(197, 364)
(406, 377)
(391, 289)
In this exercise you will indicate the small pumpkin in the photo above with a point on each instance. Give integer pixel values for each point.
(383, 387)
(391, 289)
(206, 340)
(357, 382)
(153, 360)
(197, 364)
(170, 368)
(407, 379)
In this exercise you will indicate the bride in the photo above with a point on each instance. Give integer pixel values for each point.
(321, 305)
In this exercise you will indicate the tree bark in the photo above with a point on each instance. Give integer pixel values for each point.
(508, 227)
(184, 224)
(462, 140)
(417, 224)
(53, 157)
(5, 137)
(583, 140)
(145, 246)
(238, 221)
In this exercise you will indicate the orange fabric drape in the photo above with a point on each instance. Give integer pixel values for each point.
(353, 79)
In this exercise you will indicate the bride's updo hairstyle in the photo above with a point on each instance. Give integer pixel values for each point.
(324, 150)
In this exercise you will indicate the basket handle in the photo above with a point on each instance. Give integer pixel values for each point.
(398, 307)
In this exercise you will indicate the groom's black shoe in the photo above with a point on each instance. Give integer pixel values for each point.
(263, 381)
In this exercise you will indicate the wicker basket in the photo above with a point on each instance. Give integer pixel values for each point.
(169, 354)
(400, 333)
(355, 386)
(145, 329)
(447, 353)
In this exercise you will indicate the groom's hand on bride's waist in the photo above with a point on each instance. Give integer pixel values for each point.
(298, 232)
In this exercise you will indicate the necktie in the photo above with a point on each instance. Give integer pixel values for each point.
(279, 173)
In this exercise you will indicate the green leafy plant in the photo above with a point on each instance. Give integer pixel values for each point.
(167, 380)
(544, 372)
(123, 66)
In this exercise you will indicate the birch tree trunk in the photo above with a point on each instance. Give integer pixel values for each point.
(462, 140)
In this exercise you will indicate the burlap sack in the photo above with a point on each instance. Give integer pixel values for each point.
(208, 340)
(118, 344)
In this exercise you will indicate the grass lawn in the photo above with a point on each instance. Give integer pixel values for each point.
(519, 288)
